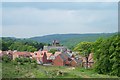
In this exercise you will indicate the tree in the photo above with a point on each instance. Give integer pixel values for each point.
(84, 48)
(6, 58)
(20, 44)
(106, 55)
(52, 51)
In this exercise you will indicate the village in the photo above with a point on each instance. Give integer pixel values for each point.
(61, 57)
(71, 39)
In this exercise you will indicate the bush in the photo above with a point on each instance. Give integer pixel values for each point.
(25, 60)
(6, 58)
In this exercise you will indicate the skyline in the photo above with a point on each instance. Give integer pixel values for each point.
(29, 19)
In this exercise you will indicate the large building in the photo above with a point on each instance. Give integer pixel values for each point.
(55, 45)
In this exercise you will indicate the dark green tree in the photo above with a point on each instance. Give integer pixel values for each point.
(106, 55)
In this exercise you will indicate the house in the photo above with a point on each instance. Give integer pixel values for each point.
(49, 57)
(9, 53)
(43, 57)
(14, 54)
(90, 61)
(66, 59)
(60, 60)
(18, 54)
(75, 62)
(57, 53)
(40, 57)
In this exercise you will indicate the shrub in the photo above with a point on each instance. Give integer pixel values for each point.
(6, 58)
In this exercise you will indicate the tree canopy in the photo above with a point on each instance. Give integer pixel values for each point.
(20, 44)
(84, 48)
(107, 55)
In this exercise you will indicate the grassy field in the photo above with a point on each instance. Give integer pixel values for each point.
(0, 71)
(29, 71)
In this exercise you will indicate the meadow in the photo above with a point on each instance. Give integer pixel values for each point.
(10, 70)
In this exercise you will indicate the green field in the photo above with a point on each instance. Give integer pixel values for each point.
(29, 71)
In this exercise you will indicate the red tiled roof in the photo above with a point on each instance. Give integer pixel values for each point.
(39, 54)
(6, 52)
(44, 51)
(22, 53)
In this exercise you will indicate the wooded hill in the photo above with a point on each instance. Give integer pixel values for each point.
(10, 43)
(35, 43)
(70, 40)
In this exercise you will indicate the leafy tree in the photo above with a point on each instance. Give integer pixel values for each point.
(84, 48)
(106, 55)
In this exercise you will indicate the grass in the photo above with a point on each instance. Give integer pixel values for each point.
(0, 71)
(28, 71)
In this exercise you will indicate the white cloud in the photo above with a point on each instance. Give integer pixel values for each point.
(32, 16)
(27, 22)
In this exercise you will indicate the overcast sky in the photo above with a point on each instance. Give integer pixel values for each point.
(28, 19)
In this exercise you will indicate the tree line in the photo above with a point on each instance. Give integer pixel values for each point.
(20, 44)
(106, 54)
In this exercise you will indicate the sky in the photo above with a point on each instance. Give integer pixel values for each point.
(29, 19)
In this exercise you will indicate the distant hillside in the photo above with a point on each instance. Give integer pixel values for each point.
(70, 40)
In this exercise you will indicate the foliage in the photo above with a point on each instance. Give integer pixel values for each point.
(52, 51)
(10, 70)
(21, 47)
(84, 48)
(106, 55)
(71, 40)
(6, 58)
(20, 44)
(24, 60)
